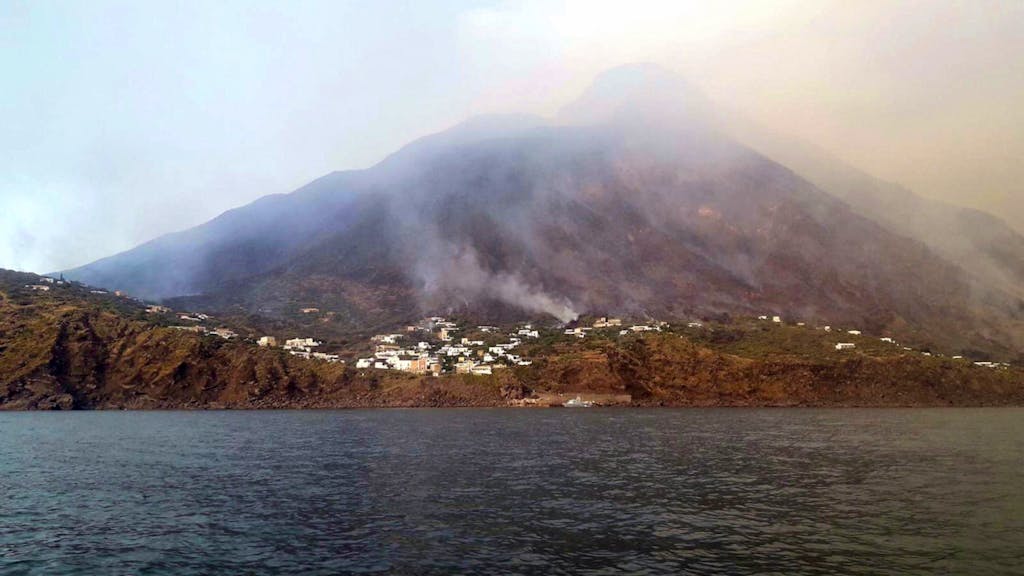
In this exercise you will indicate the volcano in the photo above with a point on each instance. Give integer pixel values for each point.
(634, 201)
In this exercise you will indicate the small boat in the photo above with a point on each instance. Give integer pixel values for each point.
(578, 402)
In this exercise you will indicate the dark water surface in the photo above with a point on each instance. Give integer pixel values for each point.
(513, 491)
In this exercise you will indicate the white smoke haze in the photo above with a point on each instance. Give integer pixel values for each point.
(447, 270)
(511, 289)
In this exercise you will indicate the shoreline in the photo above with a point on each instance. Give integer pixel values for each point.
(510, 407)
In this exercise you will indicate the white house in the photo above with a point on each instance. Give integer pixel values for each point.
(364, 362)
(845, 346)
(327, 357)
(853, 332)
(224, 333)
(300, 343)
(267, 341)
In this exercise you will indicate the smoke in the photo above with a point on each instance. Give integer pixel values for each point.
(448, 270)
(465, 205)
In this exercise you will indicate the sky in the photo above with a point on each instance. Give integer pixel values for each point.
(122, 121)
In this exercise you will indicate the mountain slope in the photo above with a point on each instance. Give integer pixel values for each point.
(624, 208)
(989, 249)
(236, 244)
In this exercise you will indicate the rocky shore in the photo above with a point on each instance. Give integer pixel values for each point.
(81, 368)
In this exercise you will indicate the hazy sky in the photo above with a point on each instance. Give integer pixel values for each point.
(120, 121)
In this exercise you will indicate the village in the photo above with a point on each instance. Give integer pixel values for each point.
(429, 347)
(436, 345)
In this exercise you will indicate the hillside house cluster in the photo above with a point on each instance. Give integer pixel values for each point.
(399, 352)
(43, 283)
(604, 323)
(301, 347)
(224, 333)
(656, 327)
(221, 332)
(304, 348)
(993, 365)
(891, 341)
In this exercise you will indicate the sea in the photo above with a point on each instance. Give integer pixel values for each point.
(513, 491)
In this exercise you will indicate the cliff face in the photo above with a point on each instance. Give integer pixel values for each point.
(61, 350)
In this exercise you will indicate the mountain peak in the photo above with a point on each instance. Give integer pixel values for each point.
(639, 92)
